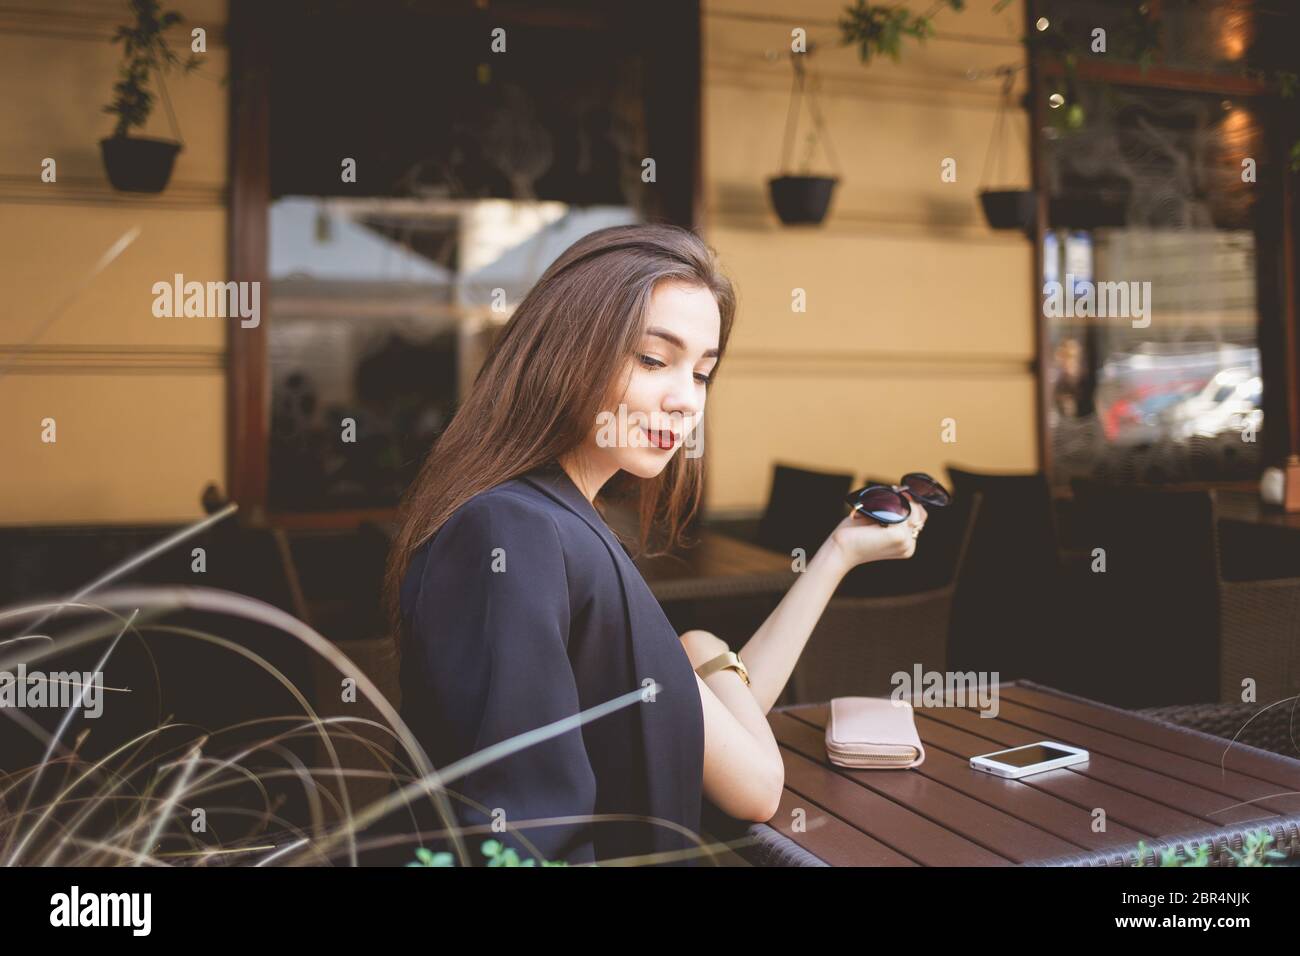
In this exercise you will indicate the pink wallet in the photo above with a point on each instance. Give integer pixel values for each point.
(875, 733)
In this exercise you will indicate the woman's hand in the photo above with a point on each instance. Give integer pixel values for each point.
(861, 539)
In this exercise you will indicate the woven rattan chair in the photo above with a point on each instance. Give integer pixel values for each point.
(1178, 630)
(860, 642)
(1274, 727)
(1259, 638)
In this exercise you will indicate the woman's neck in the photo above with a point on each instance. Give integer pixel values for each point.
(588, 479)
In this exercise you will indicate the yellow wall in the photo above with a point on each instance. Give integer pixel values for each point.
(916, 311)
(138, 401)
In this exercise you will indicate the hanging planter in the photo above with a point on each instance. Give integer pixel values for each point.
(1009, 208)
(1005, 208)
(803, 198)
(140, 163)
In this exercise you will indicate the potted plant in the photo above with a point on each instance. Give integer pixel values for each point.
(141, 163)
(878, 29)
(802, 198)
(1005, 208)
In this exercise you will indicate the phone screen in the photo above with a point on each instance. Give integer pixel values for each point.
(1025, 756)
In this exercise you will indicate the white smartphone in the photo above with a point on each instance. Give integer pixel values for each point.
(1031, 758)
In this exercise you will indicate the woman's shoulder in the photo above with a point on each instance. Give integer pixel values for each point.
(515, 497)
(524, 508)
(505, 511)
(513, 513)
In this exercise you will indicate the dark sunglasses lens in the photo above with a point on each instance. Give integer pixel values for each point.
(883, 505)
(926, 489)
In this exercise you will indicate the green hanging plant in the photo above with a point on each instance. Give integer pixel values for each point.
(145, 51)
(879, 28)
(140, 163)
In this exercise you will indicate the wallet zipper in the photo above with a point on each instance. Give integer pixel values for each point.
(874, 755)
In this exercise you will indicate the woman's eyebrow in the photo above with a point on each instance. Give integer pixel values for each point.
(675, 340)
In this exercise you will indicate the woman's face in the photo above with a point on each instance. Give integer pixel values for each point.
(664, 387)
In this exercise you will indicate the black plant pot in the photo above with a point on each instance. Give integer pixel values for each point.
(801, 199)
(1010, 208)
(139, 164)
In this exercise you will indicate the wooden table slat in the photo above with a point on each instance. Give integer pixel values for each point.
(1244, 760)
(1158, 800)
(927, 842)
(1234, 786)
(986, 826)
(1156, 784)
(718, 566)
(830, 838)
(1039, 808)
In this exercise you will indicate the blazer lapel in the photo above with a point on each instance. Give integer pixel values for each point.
(674, 760)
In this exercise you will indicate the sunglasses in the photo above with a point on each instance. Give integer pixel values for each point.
(888, 504)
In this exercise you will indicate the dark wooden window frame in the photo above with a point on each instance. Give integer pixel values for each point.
(1278, 113)
(673, 118)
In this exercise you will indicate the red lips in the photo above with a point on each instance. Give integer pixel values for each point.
(662, 439)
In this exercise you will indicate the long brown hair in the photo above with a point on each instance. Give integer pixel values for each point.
(536, 397)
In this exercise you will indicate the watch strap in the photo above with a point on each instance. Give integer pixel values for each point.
(724, 660)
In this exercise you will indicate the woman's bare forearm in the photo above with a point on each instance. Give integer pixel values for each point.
(770, 655)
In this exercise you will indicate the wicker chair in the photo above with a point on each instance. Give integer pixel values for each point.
(1275, 728)
(1259, 628)
(860, 642)
(1184, 632)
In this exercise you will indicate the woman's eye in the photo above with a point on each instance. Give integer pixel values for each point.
(650, 361)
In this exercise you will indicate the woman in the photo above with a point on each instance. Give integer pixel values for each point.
(519, 607)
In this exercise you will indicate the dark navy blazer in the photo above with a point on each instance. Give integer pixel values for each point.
(568, 624)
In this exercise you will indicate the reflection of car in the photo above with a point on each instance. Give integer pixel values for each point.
(1137, 415)
(1228, 402)
(1175, 391)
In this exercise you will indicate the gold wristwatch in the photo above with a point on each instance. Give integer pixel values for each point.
(725, 659)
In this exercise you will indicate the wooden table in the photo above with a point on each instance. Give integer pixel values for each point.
(1246, 507)
(718, 566)
(1156, 782)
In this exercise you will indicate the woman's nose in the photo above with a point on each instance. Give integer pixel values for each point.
(683, 398)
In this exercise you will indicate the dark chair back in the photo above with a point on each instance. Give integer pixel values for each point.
(1149, 622)
(803, 507)
(1006, 593)
(933, 565)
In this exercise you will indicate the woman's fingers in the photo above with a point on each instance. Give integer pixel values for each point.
(918, 516)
